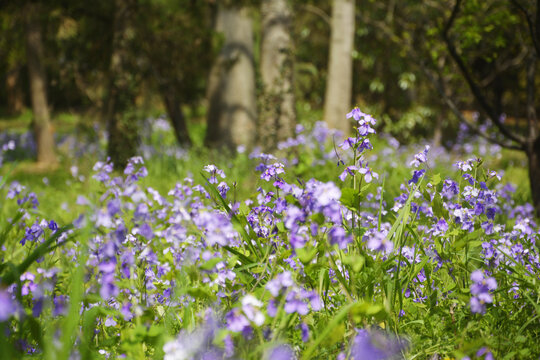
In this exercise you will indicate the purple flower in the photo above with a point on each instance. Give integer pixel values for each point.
(7, 305)
(440, 228)
(368, 174)
(361, 117)
(60, 303)
(305, 332)
(417, 174)
(214, 171)
(338, 236)
(280, 352)
(420, 158)
(250, 307)
(481, 289)
(349, 170)
(450, 188)
(348, 143)
(236, 321)
(376, 241)
(375, 346)
(223, 188)
(53, 225)
(271, 171)
(281, 282)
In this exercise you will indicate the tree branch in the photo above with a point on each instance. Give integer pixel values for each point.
(531, 109)
(502, 67)
(472, 85)
(439, 85)
(534, 34)
(453, 107)
(317, 11)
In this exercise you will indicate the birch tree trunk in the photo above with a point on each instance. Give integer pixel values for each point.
(338, 93)
(232, 110)
(43, 132)
(278, 116)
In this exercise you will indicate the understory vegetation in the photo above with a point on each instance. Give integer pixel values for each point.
(328, 249)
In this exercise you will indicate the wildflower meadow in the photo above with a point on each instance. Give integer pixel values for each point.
(328, 249)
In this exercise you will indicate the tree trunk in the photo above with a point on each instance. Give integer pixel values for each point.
(176, 116)
(232, 111)
(338, 93)
(438, 132)
(121, 124)
(15, 100)
(533, 155)
(533, 139)
(43, 131)
(278, 116)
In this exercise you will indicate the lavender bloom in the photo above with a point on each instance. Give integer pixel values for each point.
(32, 233)
(236, 321)
(338, 236)
(223, 188)
(60, 303)
(305, 332)
(417, 174)
(214, 172)
(361, 117)
(481, 289)
(486, 352)
(195, 345)
(250, 307)
(281, 282)
(349, 170)
(440, 228)
(375, 346)
(348, 143)
(271, 171)
(368, 174)
(376, 241)
(420, 158)
(280, 352)
(7, 305)
(102, 169)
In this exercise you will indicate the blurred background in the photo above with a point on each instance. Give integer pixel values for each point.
(94, 79)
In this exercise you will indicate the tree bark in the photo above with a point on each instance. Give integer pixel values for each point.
(15, 100)
(121, 125)
(338, 93)
(176, 116)
(232, 111)
(43, 131)
(533, 156)
(533, 138)
(278, 116)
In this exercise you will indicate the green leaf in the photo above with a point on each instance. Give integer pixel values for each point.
(201, 293)
(356, 262)
(210, 264)
(306, 254)
(351, 198)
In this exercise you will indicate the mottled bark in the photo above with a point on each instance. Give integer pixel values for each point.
(120, 97)
(278, 116)
(232, 112)
(337, 102)
(43, 131)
